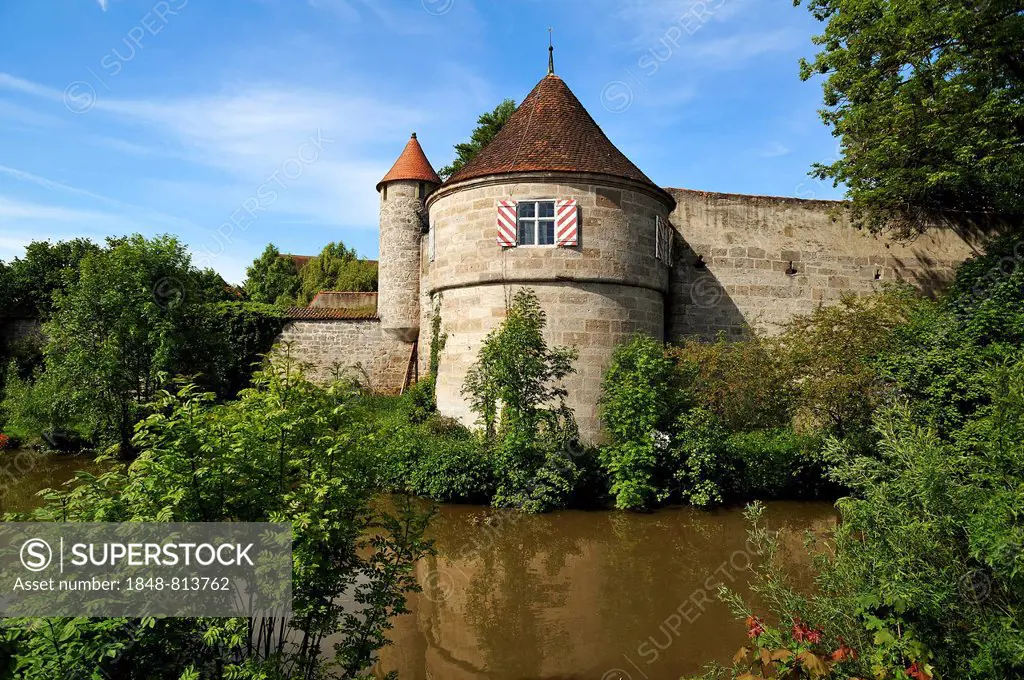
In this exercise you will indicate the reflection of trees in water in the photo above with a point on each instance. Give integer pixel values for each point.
(654, 563)
(515, 585)
(516, 596)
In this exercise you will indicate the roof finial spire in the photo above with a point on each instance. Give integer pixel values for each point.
(551, 54)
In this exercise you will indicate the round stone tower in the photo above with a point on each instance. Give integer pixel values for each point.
(550, 204)
(403, 219)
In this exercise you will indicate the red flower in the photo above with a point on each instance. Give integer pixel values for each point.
(4, 441)
(799, 630)
(844, 653)
(754, 627)
(917, 672)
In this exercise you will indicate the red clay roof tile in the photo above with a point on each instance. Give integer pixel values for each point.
(551, 131)
(412, 164)
(327, 314)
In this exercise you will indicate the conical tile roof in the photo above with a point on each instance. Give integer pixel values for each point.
(551, 131)
(411, 165)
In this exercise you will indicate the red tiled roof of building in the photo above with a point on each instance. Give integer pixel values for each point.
(412, 164)
(299, 260)
(327, 314)
(551, 131)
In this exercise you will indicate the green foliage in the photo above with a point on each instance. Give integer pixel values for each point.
(924, 574)
(515, 388)
(488, 125)
(927, 102)
(275, 279)
(517, 376)
(28, 283)
(832, 353)
(226, 340)
(136, 313)
(939, 357)
(641, 398)
(747, 384)
(272, 279)
(336, 268)
(286, 451)
(698, 461)
(113, 333)
(776, 463)
(428, 455)
(438, 339)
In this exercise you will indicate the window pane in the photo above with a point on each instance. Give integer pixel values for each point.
(546, 233)
(526, 235)
(547, 209)
(527, 209)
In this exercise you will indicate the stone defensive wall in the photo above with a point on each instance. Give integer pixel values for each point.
(752, 263)
(330, 344)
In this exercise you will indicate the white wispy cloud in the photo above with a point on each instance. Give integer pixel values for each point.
(774, 150)
(138, 212)
(12, 209)
(103, 4)
(249, 131)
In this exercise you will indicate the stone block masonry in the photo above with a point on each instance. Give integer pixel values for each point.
(752, 263)
(359, 348)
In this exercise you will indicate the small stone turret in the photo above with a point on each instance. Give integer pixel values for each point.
(403, 220)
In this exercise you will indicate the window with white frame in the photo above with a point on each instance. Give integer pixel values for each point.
(536, 222)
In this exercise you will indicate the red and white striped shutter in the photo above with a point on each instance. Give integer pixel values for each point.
(567, 223)
(507, 223)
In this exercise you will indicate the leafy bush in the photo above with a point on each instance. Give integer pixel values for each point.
(286, 451)
(925, 572)
(436, 458)
(422, 400)
(700, 464)
(819, 375)
(135, 314)
(226, 341)
(940, 356)
(776, 463)
(515, 389)
(747, 384)
(641, 396)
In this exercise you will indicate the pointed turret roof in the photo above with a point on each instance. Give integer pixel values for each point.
(551, 131)
(411, 165)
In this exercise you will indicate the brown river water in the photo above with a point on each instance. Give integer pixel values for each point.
(596, 595)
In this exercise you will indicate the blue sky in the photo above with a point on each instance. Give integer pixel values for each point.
(241, 122)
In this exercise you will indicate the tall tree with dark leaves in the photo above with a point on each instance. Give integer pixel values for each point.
(927, 99)
(488, 125)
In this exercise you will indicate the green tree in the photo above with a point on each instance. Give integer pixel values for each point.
(336, 268)
(287, 451)
(927, 99)
(641, 397)
(114, 333)
(516, 389)
(272, 279)
(488, 125)
(28, 283)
